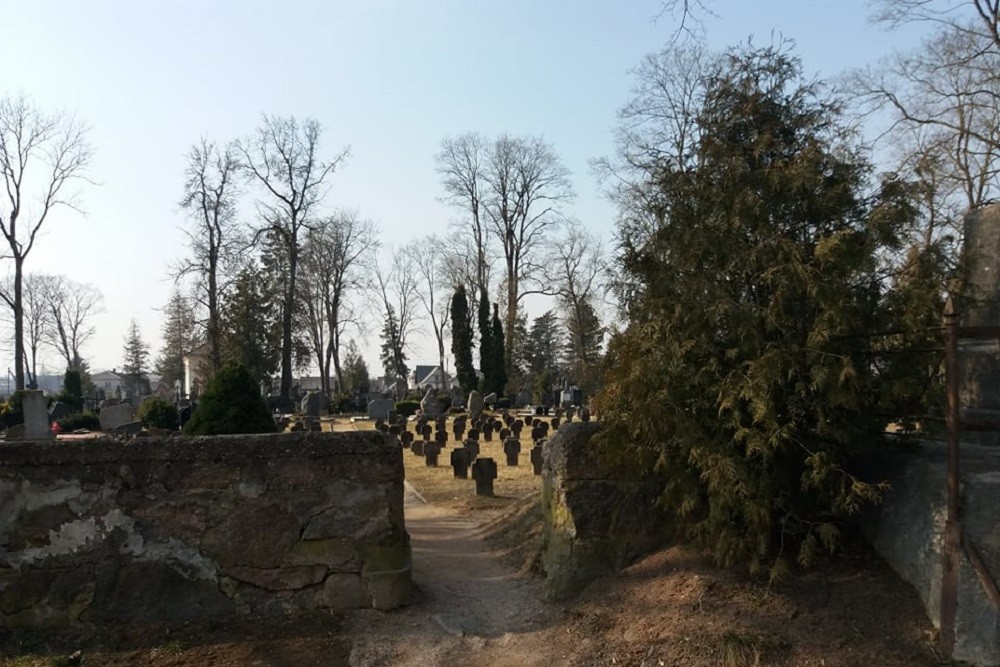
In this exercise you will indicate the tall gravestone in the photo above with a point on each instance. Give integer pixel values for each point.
(429, 404)
(36, 416)
(475, 405)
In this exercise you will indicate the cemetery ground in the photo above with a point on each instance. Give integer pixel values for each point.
(477, 601)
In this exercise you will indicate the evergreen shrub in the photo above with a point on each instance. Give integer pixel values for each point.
(158, 413)
(230, 403)
(79, 420)
(407, 408)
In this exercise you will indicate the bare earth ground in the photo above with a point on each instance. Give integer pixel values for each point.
(477, 601)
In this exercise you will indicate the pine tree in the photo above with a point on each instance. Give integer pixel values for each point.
(393, 355)
(179, 338)
(355, 370)
(582, 352)
(542, 347)
(745, 374)
(251, 324)
(136, 363)
(461, 341)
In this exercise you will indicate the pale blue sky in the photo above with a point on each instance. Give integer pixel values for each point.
(388, 78)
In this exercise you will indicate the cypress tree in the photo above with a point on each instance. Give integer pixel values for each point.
(485, 340)
(461, 340)
(498, 377)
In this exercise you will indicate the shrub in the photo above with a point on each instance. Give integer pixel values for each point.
(73, 383)
(13, 410)
(407, 408)
(78, 420)
(158, 413)
(231, 403)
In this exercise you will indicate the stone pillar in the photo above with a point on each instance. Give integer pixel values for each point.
(979, 359)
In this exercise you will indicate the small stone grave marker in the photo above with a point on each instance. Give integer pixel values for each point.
(484, 471)
(431, 452)
(473, 447)
(536, 457)
(511, 449)
(461, 459)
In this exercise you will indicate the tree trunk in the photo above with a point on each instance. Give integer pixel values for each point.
(214, 342)
(286, 321)
(510, 321)
(335, 349)
(18, 324)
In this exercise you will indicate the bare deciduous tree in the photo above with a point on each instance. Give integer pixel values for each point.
(41, 156)
(658, 126)
(334, 251)
(944, 102)
(210, 194)
(282, 159)
(513, 189)
(433, 283)
(396, 293)
(460, 163)
(71, 307)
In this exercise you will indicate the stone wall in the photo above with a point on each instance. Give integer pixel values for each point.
(907, 531)
(187, 528)
(598, 517)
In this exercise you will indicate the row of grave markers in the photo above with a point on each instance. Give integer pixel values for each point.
(466, 456)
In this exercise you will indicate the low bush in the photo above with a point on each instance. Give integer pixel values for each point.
(12, 412)
(79, 420)
(231, 403)
(407, 408)
(158, 412)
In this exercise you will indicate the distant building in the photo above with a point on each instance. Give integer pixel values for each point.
(195, 362)
(109, 383)
(423, 377)
(314, 383)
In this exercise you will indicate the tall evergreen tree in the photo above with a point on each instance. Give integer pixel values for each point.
(745, 375)
(461, 340)
(542, 347)
(393, 354)
(179, 338)
(136, 363)
(355, 370)
(251, 324)
(582, 352)
(497, 382)
(485, 338)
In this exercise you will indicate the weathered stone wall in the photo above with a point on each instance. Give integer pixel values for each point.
(598, 517)
(907, 532)
(186, 528)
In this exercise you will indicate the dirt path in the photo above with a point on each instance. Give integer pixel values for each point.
(469, 608)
